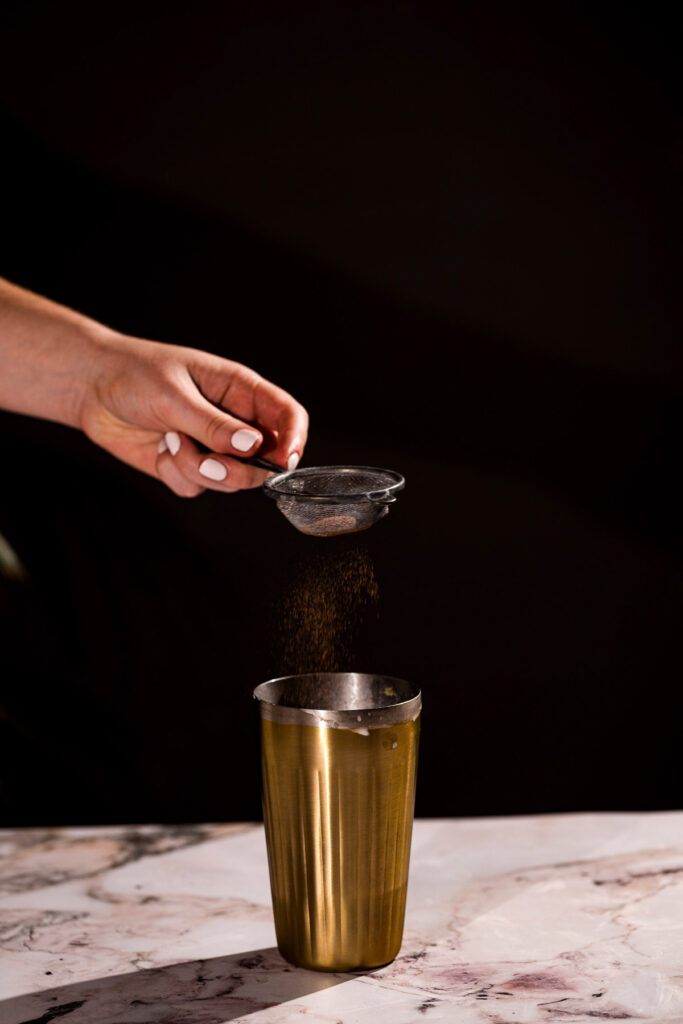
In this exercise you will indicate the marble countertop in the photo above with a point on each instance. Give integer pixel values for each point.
(531, 919)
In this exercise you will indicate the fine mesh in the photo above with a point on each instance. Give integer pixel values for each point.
(328, 500)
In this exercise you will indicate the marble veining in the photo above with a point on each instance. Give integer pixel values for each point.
(572, 918)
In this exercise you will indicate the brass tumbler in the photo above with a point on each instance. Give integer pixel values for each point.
(339, 761)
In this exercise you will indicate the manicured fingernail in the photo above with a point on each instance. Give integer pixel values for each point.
(163, 447)
(173, 442)
(213, 469)
(244, 439)
(293, 461)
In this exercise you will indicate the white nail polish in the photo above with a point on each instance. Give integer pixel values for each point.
(244, 439)
(212, 469)
(163, 447)
(293, 461)
(173, 442)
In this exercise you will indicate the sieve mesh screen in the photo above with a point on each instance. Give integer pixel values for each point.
(325, 501)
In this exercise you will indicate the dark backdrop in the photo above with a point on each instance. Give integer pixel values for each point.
(451, 231)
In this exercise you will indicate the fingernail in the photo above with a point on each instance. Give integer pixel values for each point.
(173, 442)
(163, 447)
(293, 461)
(213, 469)
(244, 439)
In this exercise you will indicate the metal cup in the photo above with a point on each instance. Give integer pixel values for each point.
(339, 760)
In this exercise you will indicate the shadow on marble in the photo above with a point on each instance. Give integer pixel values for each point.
(211, 991)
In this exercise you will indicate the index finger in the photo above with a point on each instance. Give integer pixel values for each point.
(277, 410)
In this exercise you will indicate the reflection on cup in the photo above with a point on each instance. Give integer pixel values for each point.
(339, 760)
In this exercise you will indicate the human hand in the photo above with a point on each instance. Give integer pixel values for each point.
(148, 404)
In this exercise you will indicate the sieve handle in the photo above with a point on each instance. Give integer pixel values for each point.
(261, 463)
(255, 461)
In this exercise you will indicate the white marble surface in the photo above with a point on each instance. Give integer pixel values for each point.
(559, 918)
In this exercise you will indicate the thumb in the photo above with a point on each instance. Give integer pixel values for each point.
(216, 429)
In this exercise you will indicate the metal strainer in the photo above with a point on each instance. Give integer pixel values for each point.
(327, 500)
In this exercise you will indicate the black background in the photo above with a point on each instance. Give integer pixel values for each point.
(451, 231)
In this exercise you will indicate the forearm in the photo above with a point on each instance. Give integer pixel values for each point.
(48, 355)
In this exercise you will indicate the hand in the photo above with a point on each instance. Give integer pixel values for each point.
(148, 404)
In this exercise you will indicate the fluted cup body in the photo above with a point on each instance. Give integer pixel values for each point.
(339, 764)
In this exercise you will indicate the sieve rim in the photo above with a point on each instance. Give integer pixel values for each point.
(274, 489)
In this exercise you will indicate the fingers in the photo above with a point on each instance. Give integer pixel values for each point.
(232, 410)
(287, 418)
(217, 429)
(188, 471)
(168, 472)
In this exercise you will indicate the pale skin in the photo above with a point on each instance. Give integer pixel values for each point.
(145, 402)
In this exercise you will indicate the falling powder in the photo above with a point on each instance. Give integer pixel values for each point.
(329, 598)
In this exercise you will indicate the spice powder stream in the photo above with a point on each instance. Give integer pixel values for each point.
(328, 600)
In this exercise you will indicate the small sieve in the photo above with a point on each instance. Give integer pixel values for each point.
(328, 500)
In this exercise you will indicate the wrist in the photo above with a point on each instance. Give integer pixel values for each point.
(68, 370)
(91, 352)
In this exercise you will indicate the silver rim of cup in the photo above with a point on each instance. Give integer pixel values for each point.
(339, 700)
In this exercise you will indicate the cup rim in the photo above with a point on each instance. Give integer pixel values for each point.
(358, 718)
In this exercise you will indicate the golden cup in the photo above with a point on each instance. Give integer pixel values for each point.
(339, 762)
